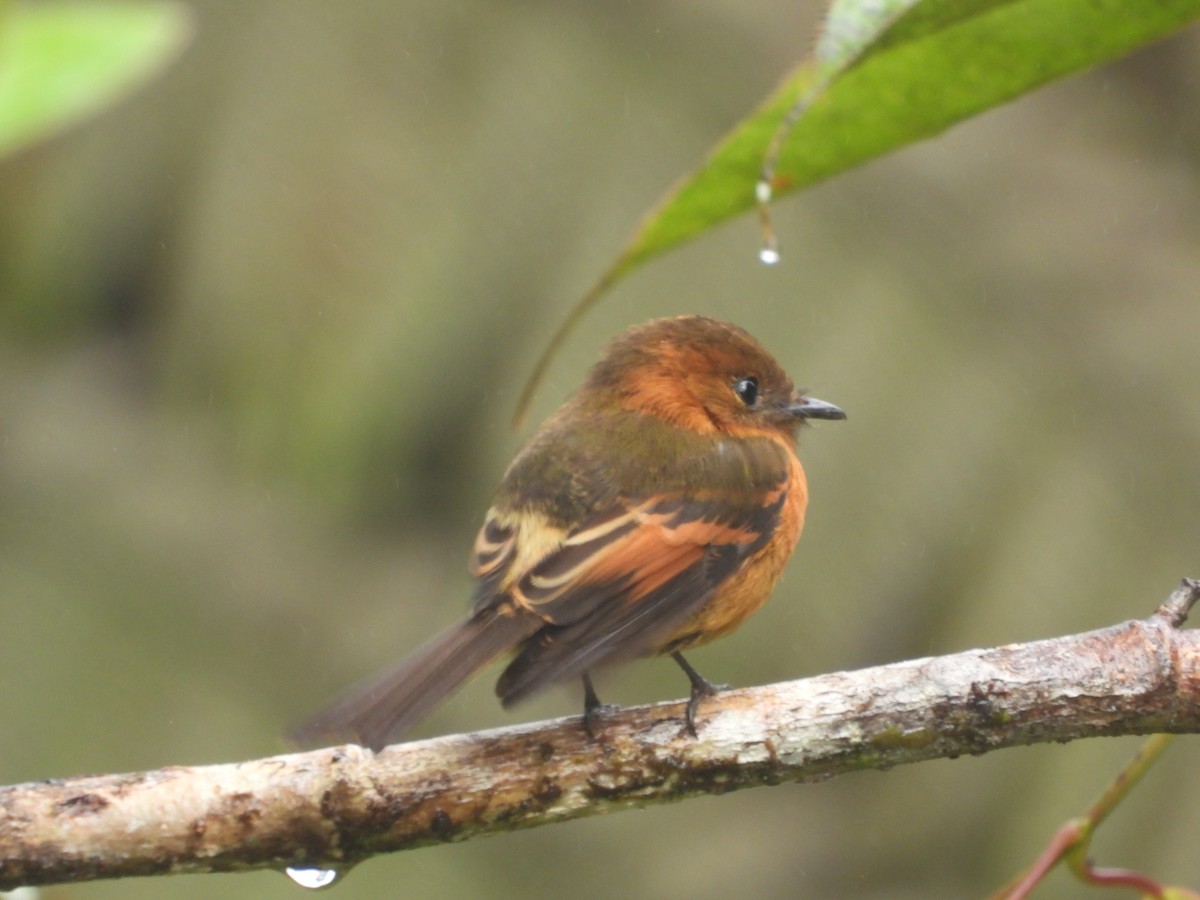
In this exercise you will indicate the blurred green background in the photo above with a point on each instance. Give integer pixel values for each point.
(263, 324)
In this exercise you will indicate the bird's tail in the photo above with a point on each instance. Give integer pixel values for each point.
(383, 707)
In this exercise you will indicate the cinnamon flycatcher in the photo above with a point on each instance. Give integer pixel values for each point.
(653, 512)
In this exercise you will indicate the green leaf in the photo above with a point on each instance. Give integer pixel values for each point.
(884, 73)
(61, 62)
(907, 73)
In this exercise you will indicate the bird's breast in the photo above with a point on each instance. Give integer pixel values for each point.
(747, 589)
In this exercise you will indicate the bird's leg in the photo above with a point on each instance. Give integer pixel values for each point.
(592, 707)
(701, 688)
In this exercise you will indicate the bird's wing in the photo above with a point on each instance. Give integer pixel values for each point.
(622, 583)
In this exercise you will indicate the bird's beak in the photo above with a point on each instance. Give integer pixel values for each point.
(812, 408)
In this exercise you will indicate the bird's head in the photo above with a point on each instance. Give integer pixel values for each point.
(704, 375)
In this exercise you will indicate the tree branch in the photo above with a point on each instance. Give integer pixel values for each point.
(332, 808)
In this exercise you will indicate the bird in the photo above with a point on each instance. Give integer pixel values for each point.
(653, 512)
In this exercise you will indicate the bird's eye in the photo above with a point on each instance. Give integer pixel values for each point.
(747, 390)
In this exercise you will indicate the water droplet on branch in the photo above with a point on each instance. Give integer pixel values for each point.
(312, 878)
